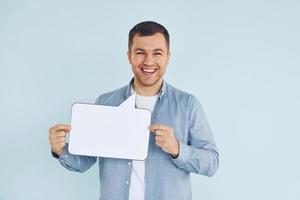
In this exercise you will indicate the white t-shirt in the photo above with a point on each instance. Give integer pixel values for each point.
(137, 183)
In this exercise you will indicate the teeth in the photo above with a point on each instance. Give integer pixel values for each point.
(149, 70)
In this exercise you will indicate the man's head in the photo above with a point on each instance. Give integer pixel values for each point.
(148, 28)
(148, 54)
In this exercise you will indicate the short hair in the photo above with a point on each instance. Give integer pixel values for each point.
(148, 28)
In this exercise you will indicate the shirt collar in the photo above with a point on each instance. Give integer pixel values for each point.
(130, 90)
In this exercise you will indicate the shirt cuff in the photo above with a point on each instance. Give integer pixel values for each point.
(54, 154)
(184, 153)
(63, 155)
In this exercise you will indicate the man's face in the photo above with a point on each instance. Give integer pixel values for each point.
(148, 57)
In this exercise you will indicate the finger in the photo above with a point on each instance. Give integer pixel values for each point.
(159, 139)
(160, 133)
(160, 144)
(54, 135)
(60, 144)
(154, 127)
(65, 127)
(58, 140)
(60, 134)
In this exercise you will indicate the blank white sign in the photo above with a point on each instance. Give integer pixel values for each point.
(110, 131)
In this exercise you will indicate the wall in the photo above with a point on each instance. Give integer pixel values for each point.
(240, 58)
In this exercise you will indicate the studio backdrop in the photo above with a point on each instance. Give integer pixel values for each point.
(240, 58)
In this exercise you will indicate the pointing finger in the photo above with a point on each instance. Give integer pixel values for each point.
(154, 127)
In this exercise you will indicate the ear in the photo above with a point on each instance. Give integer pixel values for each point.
(129, 56)
(169, 55)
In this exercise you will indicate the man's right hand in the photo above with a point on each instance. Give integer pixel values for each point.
(57, 137)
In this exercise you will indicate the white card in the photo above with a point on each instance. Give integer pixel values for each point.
(110, 131)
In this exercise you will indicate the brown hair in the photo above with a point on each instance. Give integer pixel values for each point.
(148, 28)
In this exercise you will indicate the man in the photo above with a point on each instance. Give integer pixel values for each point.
(180, 140)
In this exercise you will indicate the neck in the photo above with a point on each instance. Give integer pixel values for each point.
(147, 90)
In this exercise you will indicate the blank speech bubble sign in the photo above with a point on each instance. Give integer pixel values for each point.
(110, 131)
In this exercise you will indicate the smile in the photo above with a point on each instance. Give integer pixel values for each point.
(148, 71)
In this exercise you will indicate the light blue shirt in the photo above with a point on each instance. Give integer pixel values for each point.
(165, 178)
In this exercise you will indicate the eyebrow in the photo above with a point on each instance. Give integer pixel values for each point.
(158, 50)
(140, 49)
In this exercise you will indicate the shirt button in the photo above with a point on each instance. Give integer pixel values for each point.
(129, 163)
(127, 182)
(66, 156)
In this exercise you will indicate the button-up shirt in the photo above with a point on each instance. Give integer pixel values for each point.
(165, 177)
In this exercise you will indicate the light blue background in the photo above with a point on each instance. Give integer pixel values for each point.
(240, 58)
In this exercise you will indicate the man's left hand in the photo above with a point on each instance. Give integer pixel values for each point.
(165, 139)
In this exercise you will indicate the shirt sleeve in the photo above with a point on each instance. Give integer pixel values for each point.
(74, 162)
(200, 154)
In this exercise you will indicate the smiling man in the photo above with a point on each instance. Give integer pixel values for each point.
(180, 141)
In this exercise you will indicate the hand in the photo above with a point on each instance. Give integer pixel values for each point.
(165, 139)
(57, 137)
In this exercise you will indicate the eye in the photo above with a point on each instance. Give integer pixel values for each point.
(139, 53)
(157, 54)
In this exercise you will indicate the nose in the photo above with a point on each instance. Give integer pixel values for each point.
(148, 60)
